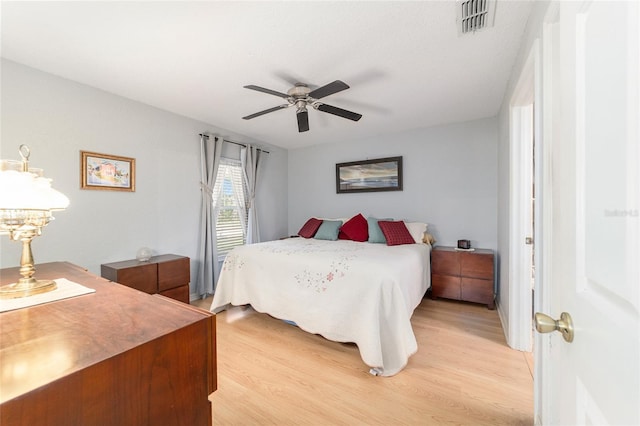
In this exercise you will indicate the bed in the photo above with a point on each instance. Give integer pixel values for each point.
(344, 290)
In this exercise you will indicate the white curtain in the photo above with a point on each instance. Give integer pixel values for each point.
(210, 150)
(250, 158)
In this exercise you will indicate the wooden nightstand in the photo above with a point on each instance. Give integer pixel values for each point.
(167, 274)
(463, 275)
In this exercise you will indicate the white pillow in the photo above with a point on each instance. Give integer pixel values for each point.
(341, 219)
(417, 230)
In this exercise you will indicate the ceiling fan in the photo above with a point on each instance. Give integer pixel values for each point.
(301, 96)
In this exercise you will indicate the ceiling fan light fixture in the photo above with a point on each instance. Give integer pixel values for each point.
(301, 106)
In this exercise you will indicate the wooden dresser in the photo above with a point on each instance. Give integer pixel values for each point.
(167, 274)
(463, 275)
(113, 357)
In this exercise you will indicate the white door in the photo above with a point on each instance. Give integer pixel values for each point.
(590, 250)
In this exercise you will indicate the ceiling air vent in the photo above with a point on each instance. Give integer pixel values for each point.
(474, 15)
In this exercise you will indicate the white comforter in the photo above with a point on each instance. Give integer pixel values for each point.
(345, 291)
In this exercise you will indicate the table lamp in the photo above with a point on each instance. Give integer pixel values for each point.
(26, 203)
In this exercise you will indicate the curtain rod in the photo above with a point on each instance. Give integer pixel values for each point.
(237, 143)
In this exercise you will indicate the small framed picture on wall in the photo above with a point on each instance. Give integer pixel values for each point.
(107, 172)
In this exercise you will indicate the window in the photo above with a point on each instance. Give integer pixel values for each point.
(230, 206)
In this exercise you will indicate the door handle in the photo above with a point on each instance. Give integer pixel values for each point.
(528, 241)
(545, 324)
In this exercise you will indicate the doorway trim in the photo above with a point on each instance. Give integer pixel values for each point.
(524, 119)
(542, 405)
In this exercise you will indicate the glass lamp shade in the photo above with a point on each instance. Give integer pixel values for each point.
(26, 202)
(29, 191)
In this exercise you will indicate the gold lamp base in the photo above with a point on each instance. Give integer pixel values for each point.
(24, 288)
(27, 285)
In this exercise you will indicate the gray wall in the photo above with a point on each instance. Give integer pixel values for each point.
(58, 118)
(450, 181)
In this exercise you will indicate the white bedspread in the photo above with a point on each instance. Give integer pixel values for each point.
(345, 291)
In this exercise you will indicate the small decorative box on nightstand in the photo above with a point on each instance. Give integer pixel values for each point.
(463, 275)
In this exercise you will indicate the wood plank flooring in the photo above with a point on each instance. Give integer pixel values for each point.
(273, 373)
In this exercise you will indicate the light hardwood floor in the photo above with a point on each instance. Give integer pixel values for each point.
(273, 373)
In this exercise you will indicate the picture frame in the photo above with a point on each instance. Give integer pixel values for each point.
(107, 172)
(380, 174)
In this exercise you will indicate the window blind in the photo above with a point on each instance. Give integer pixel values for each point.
(229, 200)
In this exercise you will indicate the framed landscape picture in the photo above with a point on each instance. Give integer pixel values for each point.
(107, 172)
(381, 174)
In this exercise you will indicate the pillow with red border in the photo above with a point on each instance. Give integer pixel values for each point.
(356, 229)
(396, 233)
(310, 228)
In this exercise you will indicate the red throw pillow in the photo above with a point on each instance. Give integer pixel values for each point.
(310, 228)
(356, 228)
(396, 233)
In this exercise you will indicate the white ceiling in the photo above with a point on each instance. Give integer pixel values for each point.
(405, 62)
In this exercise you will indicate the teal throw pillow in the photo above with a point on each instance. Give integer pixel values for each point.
(375, 233)
(328, 230)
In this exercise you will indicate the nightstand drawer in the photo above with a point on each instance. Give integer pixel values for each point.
(445, 286)
(173, 273)
(445, 263)
(476, 265)
(143, 277)
(178, 293)
(475, 290)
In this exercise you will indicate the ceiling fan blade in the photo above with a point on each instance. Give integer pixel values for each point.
(269, 91)
(303, 121)
(340, 112)
(266, 111)
(329, 89)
